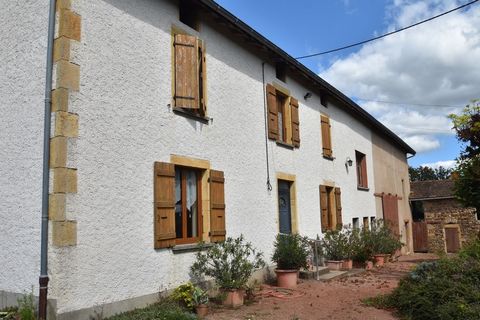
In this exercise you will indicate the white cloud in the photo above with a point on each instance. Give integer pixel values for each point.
(436, 63)
(447, 164)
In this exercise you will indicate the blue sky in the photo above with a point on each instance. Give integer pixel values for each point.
(425, 73)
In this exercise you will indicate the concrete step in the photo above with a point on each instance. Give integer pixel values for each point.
(333, 274)
(312, 274)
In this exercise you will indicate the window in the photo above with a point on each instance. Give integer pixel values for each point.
(356, 223)
(373, 221)
(189, 75)
(365, 223)
(188, 218)
(361, 163)
(418, 213)
(188, 14)
(178, 205)
(283, 119)
(326, 137)
(281, 72)
(330, 207)
(323, 100)
(284, 206)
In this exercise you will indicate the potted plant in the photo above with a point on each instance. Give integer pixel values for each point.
(231, 263)
(200, 301)
(334, 246)
(384, 243)
(290, 254)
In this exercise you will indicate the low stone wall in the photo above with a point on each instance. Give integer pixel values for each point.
(444, 212)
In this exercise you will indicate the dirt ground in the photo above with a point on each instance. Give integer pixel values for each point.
(336, 299)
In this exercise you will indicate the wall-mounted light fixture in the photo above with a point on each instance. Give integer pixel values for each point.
(348, 162)
(307, 95)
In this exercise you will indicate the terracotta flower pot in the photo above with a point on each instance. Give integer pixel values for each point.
(334, 265)
(287, 278)
(347, 264)
(379, 260)
(234, 298)
(368, 265)
(201, 310)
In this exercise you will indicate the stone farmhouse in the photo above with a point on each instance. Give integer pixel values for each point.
(173, 122)
(440, 222)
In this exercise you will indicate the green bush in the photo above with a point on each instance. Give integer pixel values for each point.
(447, 289)
(164, 310)
(335, 244)
(231, 263)
(184, 295)
(290, 251)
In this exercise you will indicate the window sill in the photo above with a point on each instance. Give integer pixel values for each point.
(363, 188)
(186, 114)
(191, 247)
(331, 158)
(285, 145)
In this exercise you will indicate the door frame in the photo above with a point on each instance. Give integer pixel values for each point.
(291, 178)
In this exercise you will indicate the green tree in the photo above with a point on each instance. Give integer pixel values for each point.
(424, 173)
(467, 175)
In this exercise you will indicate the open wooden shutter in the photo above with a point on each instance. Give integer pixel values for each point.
(186, 72)
(217, 206)
(326, 138)
(272, 112)
(324, 207)
(202, 67)
(295, 122)
(164, 197)
(338, 207)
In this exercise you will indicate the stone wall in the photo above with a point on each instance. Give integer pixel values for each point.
(445, 212)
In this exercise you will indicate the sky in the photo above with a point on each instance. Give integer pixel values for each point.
(409, 81)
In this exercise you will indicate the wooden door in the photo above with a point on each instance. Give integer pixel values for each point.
(420, 238)
(390, 213)
(452, 240)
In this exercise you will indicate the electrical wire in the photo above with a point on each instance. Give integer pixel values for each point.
(409, 104)
(388, 33)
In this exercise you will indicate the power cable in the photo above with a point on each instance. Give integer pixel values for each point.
(388, 33)
(408, 103)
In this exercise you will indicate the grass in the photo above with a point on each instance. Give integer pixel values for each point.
(164, 310)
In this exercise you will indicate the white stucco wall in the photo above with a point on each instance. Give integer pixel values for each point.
(23, 34)
(126, 125)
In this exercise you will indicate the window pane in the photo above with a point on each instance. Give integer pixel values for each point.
(178, 203)
(192, 214)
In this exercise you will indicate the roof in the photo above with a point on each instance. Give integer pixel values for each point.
(432, 189)
(222, 16)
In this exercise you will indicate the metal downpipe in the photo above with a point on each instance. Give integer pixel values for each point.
(43, 279)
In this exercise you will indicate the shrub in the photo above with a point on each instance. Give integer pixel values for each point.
(335, 245)
(363, 245)
(231, 263)
(446, 289)
(26, 307)
(184, 295)
(290, 251)
(164, 310)
(199, 297)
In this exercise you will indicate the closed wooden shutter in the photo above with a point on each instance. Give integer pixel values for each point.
(390, 213)
(217, 206)
(164, 212)
(324, 208)
(272, 112)
(338, 207)
(186, 72)
(363, 168)
(326, 137)
(295, 122)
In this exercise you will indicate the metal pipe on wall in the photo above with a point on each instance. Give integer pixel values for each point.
(43, 279)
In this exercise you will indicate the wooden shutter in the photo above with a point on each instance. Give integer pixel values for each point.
(202, 63)
(338, 206)
(324, 207)
(186, 72)
(164, 212)
(295, 122)
(326, 138)
(390, 213)
(272, 112)
(217, 206)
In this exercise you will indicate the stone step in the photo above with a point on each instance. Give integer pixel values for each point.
(333, 274)
(312, 274)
